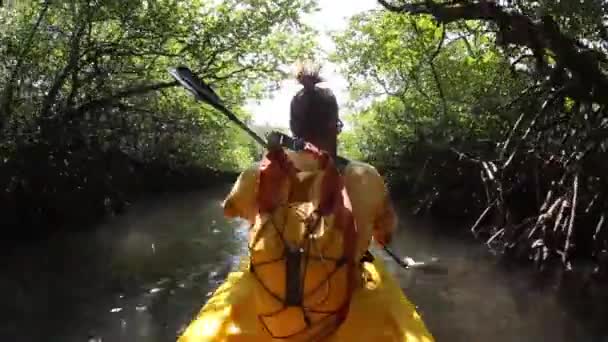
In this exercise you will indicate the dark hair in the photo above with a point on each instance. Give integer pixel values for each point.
(314, 110)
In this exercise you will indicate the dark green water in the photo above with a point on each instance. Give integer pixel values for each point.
(144, 275)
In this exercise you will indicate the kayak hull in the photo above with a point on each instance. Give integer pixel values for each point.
(379, 311)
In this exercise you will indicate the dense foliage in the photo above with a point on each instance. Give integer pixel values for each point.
(431, 88)
(496, 109)
(89, 114)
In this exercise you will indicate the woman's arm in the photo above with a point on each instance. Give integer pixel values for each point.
(385, 223)
(386, 219)
(241, 201)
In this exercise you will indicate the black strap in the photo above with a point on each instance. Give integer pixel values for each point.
(297, 144)
(275, 138)
(367, 257)
(293, 264)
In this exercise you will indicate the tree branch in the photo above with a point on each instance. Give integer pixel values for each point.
(7, 96)
(111, 99)
(71, 65)
(518, 29)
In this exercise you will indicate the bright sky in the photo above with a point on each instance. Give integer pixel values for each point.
(333, 15)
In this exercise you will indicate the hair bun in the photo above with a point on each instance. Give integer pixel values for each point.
(307, 75)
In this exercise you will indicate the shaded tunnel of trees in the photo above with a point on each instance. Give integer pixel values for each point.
(90, 118)
(491, 111)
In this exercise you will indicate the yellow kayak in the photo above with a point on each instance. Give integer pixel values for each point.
(379, 311)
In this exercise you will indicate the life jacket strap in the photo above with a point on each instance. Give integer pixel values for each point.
(293, 265)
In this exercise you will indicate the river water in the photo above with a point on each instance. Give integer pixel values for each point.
(143, 276)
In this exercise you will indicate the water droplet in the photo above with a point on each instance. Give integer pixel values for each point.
(140, 308)
(154, 290)
(163, 281)
(215, 231)
(208, 294)
(114, 310)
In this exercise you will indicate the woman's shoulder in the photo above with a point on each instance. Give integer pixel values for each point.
(361, 169)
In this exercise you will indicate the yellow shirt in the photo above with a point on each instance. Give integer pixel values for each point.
(372, 208)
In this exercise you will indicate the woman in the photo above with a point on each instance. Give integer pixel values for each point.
(368, 306)
(314, 118)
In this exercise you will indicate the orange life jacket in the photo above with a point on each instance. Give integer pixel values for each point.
(302, 247)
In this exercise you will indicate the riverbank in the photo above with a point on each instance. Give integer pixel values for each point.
(44, 200)
(449, 191)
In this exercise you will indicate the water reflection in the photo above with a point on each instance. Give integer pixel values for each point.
(140, 277)
(143, 277)
(477, 300)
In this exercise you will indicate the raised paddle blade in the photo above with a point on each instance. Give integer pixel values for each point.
(195, 85)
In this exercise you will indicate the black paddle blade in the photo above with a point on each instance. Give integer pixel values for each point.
(195, 85)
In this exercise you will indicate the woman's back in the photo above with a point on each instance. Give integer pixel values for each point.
(372, 209)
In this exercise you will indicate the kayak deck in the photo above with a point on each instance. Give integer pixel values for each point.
(379, 311)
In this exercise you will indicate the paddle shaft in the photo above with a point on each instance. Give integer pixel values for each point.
(240, 123)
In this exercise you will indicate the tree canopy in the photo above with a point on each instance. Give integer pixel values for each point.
(82, 82)
(496, 108)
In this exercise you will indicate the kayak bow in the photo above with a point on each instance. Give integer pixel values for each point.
(379, 312)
